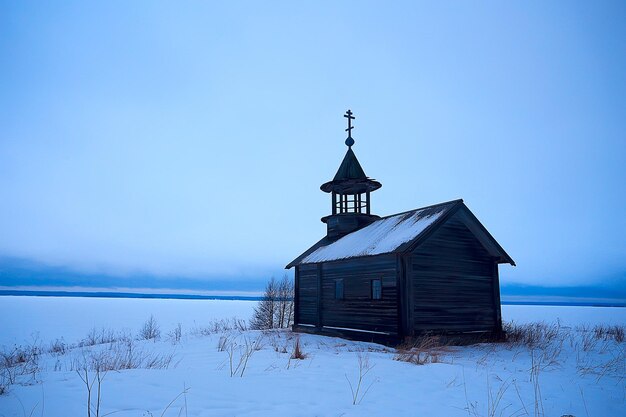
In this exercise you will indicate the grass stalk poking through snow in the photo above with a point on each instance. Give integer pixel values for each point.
(364, 368)
(239, 355)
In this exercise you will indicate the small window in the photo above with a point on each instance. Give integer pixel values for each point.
(339, 289)
(377, 289)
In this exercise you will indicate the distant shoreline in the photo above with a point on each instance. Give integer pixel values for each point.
(114, 294)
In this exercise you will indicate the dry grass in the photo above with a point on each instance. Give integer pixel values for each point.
(120, 356)
(421, 350)
(220, 326)
(19, 361)
(608, 332)
(239, 350)
(297, 350)
(532, 335)
(358, 389)
(101, 336)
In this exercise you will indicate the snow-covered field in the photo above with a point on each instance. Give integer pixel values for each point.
(570, 372)
(49, 318)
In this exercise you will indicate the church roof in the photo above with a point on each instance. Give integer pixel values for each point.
(350, 168)
(350, 177)
(399, 233)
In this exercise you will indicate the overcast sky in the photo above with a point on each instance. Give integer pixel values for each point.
(191, 138)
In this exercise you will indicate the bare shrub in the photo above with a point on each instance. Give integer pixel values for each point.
(58, 347)
(92, 337)
(275, 310)
(284, 310)
(176, 334)
(21, 360)
(100, 336)
(265, 311)
(150, 330)
(420, 351)
(357, 389)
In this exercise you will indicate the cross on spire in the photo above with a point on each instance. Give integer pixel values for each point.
(350, 117)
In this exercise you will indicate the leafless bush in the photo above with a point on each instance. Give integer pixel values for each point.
(420, 351)
(58, 347)
(284, 310)
(21, 360)
(176, 334)
(150, 330)
(100, 336)
(275, 310)
(357, 389)
(92, 338)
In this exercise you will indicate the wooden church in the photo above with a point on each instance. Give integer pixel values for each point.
(432, 269)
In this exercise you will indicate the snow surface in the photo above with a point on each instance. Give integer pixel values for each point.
(578, 375)
(382, 236)
(26, 318)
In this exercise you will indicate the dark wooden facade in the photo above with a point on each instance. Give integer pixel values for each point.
(442, 279)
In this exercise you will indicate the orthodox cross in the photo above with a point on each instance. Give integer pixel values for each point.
(350, 118)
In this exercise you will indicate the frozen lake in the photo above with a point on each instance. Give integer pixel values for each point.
(71, 318)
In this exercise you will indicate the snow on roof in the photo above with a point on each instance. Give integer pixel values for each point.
(382, 236)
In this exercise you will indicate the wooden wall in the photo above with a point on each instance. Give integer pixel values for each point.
(357, 310)
(306, 287)
(448, 284)
(453, 283)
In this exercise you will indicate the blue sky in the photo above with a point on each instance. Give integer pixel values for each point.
(189, 139)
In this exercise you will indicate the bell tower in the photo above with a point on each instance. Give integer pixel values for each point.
(350, 190)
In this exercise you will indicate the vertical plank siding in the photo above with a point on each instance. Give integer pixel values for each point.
(447, 284)
(306, 294)
(357, 310)
(452, 280)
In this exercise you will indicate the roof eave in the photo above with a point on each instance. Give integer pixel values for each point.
(411, 245)
(298, 261)
(504, 257)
